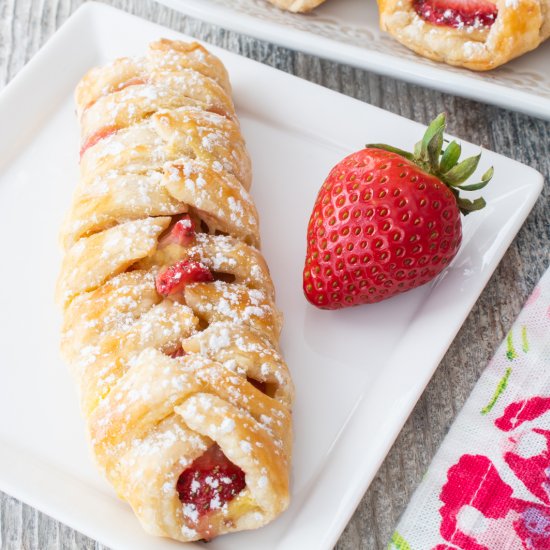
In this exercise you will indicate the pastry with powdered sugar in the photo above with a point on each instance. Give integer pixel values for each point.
(170, 323)
(476, 34)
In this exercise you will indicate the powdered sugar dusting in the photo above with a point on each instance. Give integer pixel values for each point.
(163, 377)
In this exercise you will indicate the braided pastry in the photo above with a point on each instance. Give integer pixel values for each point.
(476, 34)
(170, 324)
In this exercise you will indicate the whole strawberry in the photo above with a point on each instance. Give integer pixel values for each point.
(386, 221)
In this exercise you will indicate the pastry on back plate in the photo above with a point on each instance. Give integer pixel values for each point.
(170, 324)
(297, 5)
(476, 34)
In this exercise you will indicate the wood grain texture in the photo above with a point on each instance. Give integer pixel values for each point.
(24, 27)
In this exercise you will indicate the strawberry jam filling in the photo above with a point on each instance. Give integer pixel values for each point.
(210, 481)
(174, 279)
(107, 130)
(179, 352)
(457, 13)
(104, 132)
(181, 233)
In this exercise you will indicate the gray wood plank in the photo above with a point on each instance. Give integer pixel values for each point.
(24, 27)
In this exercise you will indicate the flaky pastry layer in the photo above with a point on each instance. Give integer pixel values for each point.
(163, 377)
(520, 26)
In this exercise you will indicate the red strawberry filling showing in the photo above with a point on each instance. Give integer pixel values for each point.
(174, 279)
(182, 233)
(457, 13)
(210, 481)
(97, 136)
(107, 130)
(179, 352)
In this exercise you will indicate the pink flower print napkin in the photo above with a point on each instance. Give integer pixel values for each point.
(488, 487)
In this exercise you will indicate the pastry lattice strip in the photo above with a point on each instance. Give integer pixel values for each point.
(167, 376)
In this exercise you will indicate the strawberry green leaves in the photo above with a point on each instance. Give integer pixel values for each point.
(460, 172)
(432, 142)
(466, 206)
(444, 163)
(391, 149)
(450, 156)
(485, 179)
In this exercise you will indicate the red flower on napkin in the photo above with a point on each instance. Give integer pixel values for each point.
(476, 495)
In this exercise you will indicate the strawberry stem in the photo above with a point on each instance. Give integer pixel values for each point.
(432, 157)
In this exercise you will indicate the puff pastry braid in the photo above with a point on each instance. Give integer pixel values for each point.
(170, 324)
(476, 34)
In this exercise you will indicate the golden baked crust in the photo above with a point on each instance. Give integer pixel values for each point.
(301, 6)
(164, 377)
(520, 26)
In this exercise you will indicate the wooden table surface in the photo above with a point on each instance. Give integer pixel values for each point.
(24, 27)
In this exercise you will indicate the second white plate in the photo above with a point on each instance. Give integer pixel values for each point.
(347, 31)
(358, 373)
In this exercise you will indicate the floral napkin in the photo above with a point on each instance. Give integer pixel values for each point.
(488, 487)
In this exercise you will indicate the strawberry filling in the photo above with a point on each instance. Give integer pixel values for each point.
(182, 233)
(457, 13)
(180, 352)
(97, 136)
(107, 130)
(174, 279)
(209, 482)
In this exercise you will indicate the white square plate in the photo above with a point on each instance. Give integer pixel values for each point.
(358, 373)
(347, 31)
